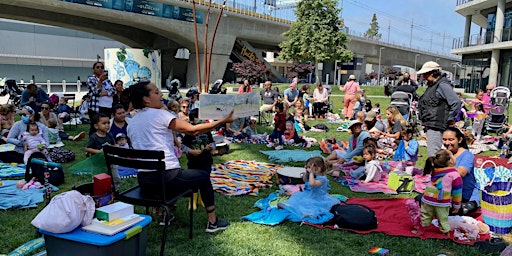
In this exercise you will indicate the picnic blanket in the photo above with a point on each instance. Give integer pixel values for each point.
(15, 198)
(387, 211)
(8, 170)
(7, 147)
(296, 155)
(271, 215)
(240, 177)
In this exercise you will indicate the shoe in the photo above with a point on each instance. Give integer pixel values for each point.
(162, 222)
(79, 137)
(270, 145)
(218, 225)
(279, 147)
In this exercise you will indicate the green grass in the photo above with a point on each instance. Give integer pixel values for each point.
(246, 238)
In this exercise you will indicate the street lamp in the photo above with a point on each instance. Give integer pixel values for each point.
(378, 74)
(416, 60)
(437, 60)
(455, 65)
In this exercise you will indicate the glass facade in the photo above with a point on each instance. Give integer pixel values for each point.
(475, 71)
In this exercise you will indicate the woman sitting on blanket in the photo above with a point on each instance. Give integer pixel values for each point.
(388, 140)
(355, 145)
(454, 141)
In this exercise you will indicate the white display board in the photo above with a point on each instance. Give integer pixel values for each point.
(133, 65)
(217, 106)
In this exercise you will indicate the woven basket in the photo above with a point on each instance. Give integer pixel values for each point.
(496, 204)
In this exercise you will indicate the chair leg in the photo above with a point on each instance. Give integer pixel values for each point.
(191, 217)
(164, 235)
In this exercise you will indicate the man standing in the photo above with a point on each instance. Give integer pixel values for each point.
(34, 97)
(438, 107)
(269, 98)
(407, 85)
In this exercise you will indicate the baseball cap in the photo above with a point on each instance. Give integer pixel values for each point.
(370, 116)
(351, 77)
(428, 67)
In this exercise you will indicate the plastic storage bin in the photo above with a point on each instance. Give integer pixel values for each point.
(81, 243)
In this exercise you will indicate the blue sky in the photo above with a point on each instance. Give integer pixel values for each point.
(432, 19)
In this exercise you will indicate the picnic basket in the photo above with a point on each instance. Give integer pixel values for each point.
(496, 203)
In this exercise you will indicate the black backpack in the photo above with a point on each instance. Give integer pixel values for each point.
(354, 216)
(35, 170)
(321, 127)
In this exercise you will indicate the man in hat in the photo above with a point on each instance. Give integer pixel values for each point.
(355, 145)
(34, 97)
(438, 107)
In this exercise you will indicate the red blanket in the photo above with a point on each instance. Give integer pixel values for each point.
(393, 219)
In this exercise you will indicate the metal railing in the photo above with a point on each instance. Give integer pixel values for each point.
(461, 2)
(477, 39)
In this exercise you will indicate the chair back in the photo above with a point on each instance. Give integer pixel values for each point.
(73, 114)
(133, 158)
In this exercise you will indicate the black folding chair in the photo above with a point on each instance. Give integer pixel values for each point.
(73, 114)
(149, 160)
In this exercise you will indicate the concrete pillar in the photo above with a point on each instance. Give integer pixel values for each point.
(493, 75)
(500, 18)
(217, 68)
(467, 30)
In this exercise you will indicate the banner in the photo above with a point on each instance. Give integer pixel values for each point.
(145, 7)
(217, 106)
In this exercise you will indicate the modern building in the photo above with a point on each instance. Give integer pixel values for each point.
(486, 53)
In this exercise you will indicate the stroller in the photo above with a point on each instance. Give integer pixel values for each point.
(402, 101)
(13, 90)
(217, 88)
(498, 113)
(174, 92)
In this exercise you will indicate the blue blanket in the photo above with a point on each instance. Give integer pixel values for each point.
(8, 170)
(296, 155)
(12, 197)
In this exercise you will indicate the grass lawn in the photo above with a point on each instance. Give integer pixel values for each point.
(246, 238)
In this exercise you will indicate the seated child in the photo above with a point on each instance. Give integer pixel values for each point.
(360, 116)
(34, 142)
(101, 136)
(84, 108)
(54, 134)
(200, 147)
(408, 148)
(279, 126)
(122, 141)
(251, 131)
(371, 171)
(307, 99)
(173, 107)
(376, 108)
(63, 111)
(7, 112)
(290, 136)
(478, 121)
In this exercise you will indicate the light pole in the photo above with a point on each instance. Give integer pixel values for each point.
(437, 60)
(455, 65)
(416, 60)
(378, 74)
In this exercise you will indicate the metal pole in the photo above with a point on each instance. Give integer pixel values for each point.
(378, 74)
(416, 61)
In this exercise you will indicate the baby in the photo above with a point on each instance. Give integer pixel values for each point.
(122, 141)
(34, 142)
(32, 184)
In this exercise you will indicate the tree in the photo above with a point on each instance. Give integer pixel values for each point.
(299, 70)
(249, 69)
(317, 35)
(373, 32)
(392, 73)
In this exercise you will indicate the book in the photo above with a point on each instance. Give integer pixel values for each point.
(112, 227)
(114, 211)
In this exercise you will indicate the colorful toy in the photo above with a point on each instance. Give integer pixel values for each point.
(378, 250)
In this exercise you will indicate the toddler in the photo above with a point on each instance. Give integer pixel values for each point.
(306, 98)
(376, 108)
(478, 121)
(314, 201)
(443, 191)
(251, 131)
(357, 104)
(371, 171)
(279, 126)
(290, 136)
(407, 149)
(298, 112)
(360, 116)
(122, 141)
(54, 134)
(63, 111)
(84, 108)
(101, 136)
(34, 142)
(173, 106)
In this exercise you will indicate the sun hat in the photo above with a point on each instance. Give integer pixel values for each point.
(351, 77)
(354, 122)
(429, 66)
(370, 116)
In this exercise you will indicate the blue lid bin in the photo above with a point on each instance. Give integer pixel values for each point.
(81, 243)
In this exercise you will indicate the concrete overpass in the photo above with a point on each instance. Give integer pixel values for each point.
(144, 31)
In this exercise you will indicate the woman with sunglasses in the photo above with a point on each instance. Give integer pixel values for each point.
(46, 114)
(101, 92)
(28, 115)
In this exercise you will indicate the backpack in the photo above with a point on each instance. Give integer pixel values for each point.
(354, 216)
(321, 127)
(35, 170)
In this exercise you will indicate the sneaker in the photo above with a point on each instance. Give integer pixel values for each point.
(270, 145)
(279, 147)
(218, 225)
(162, 222)
(79, 137)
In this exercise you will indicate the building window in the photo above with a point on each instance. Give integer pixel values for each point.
(491, 21)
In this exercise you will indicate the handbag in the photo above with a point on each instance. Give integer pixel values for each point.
(354, 216)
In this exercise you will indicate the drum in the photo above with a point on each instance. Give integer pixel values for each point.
(290, 175)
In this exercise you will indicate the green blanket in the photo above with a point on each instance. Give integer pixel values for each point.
(94, 164)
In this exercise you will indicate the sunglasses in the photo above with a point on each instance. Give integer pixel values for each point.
(184, 106)
(23, 114)
(45, 108)
(99, 67)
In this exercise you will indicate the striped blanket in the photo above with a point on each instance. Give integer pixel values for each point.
(8, 170)
(240, 177)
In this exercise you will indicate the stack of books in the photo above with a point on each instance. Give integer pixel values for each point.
(112, 219)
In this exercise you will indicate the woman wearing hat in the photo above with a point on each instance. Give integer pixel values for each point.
(350, 88)
(355, 145)
(438, 106)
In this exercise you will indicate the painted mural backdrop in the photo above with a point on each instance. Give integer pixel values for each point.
(133, 65)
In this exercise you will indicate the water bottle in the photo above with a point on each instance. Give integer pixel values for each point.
(504, 150)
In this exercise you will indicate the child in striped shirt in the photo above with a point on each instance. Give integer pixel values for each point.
(443, 191)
